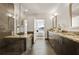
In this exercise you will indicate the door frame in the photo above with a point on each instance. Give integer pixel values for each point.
(35, 27)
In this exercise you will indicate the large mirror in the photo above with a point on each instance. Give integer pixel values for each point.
(6, 18)
(75, 14)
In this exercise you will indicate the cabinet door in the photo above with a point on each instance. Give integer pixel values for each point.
(69, 47)
(58, 45)
(52, 38)
(77, 48)
(51, 42)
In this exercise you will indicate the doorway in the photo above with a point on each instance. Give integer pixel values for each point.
(39, 29)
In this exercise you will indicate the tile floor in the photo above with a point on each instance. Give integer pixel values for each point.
(42, 47)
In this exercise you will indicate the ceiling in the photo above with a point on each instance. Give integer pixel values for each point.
(40, 8)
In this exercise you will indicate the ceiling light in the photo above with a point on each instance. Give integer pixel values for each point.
(10, 15)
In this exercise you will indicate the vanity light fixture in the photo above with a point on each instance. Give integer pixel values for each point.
(9, 14)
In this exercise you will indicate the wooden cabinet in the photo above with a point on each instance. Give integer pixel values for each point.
(56, 42)
(68, 46)
(77, 48)
(14, 46)
(62, 45)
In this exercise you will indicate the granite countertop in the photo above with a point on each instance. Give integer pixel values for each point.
(19, 36)
(69, 35)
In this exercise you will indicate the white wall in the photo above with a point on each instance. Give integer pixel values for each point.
(48, 25)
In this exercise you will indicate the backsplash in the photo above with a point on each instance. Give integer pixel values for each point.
(73, 29)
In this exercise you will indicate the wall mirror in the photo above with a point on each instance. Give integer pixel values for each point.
(75, 15)
(6, 19)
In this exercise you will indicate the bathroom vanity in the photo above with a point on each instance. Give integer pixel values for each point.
(64, 43)
(16, 44)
